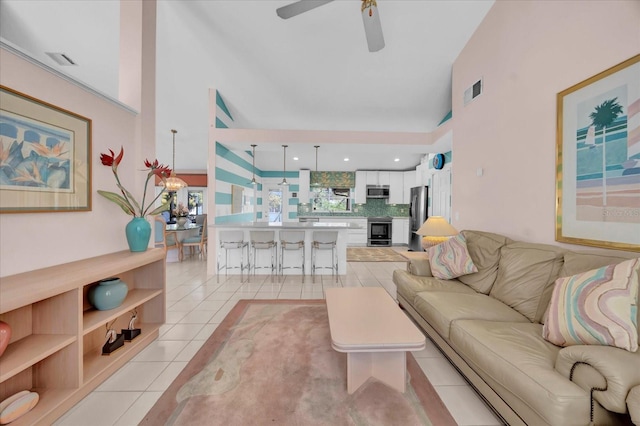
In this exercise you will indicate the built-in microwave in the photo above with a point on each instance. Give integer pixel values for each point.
(377, 191)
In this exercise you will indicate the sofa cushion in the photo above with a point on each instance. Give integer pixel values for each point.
(518, 364)
(597, 307)
(440, 309)
(451, 259)
(526, 274)
(577, 262)
(484, 249)
(408, 285)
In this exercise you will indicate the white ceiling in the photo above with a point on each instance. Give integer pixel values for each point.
(310, 72)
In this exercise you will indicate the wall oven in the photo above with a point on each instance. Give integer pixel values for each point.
(379, 231)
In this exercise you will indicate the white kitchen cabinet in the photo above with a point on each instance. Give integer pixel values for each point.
(396, 188)
(384, 178)
(422, 174)
(408, 183)
(372, 178)
(378, 178)
(304, 182)
(361, 187)
(355, 237)
(400, 231)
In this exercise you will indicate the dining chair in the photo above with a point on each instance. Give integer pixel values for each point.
(165, 239)
(199, 240)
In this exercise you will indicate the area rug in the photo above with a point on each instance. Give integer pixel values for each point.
(271, 362)
(373, 254)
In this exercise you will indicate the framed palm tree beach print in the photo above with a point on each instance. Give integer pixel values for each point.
(598, 160)
(45, 156)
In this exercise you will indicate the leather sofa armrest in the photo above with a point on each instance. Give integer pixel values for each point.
(633, 404)
(603, 367)
(419, 267)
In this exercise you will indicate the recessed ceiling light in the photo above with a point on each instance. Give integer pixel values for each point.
(295, 158)
(346, 159)
(61, 58)
(396, 159)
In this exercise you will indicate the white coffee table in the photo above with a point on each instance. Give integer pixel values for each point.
(367, 324)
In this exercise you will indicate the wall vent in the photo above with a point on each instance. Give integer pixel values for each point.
(473, 92)
(61, 59)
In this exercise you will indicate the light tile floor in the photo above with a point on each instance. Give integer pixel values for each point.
(196, 304)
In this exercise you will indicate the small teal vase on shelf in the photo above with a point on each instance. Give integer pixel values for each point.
(138, 234)
(108, 294)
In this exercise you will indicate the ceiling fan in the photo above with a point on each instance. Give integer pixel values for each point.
(370, 17)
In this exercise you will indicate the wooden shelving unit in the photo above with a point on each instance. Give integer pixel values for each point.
(56, 336)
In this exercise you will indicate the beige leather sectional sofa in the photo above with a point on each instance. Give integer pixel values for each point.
(489, 324)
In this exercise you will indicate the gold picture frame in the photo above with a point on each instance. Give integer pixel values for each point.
(45, 154)
(598, 160)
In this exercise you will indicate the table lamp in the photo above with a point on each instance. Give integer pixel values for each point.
(435, 230)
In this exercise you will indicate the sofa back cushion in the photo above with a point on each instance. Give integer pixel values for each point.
(576, 262)
(526, 274)
(484, 249)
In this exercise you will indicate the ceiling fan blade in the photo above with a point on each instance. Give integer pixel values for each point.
(373, 28)
(293, 9)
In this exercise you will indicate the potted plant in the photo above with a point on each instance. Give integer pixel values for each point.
(138, 230)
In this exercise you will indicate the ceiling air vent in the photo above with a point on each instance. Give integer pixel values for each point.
(61, 58)
(473, 92)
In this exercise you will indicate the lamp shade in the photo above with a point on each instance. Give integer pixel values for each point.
(174, 183)
(435, 230)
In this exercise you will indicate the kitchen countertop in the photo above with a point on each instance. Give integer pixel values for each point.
(290, 225)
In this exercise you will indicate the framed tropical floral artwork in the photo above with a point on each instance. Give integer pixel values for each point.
(45, 156)
(598, 160)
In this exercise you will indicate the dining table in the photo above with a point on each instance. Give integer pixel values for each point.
(181, 232)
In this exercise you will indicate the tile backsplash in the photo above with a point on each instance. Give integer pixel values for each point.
(373, 207)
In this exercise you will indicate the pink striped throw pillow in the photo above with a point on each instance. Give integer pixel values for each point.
(451, 259)
(597, 307)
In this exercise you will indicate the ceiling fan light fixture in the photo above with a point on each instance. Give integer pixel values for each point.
(372, 25)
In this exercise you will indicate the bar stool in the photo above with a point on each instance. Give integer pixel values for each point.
(264, 240)
(291, 240)
(232, 240)
(324, 240)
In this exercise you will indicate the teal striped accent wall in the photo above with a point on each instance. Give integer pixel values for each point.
(220, 124)
(446, 118)
(234, 167)
(220, 103)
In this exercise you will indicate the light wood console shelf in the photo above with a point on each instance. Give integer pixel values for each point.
(57, 337)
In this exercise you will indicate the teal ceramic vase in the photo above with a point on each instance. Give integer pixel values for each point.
(108, 294)
(138, 234)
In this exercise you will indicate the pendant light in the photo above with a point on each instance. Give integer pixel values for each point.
(253, 179)
(284, 162)
(174, 183)
(316, 183)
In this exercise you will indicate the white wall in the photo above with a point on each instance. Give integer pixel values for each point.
(526, 52)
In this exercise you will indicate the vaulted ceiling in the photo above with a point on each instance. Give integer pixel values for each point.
(309, 72)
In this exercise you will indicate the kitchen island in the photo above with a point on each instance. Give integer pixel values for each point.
(293, 258)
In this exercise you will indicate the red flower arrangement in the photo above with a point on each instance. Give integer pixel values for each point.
(126, 201)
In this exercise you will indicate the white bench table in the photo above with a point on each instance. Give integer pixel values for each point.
(369, 326)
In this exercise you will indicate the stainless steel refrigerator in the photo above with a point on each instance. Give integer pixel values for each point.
(418, 204)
